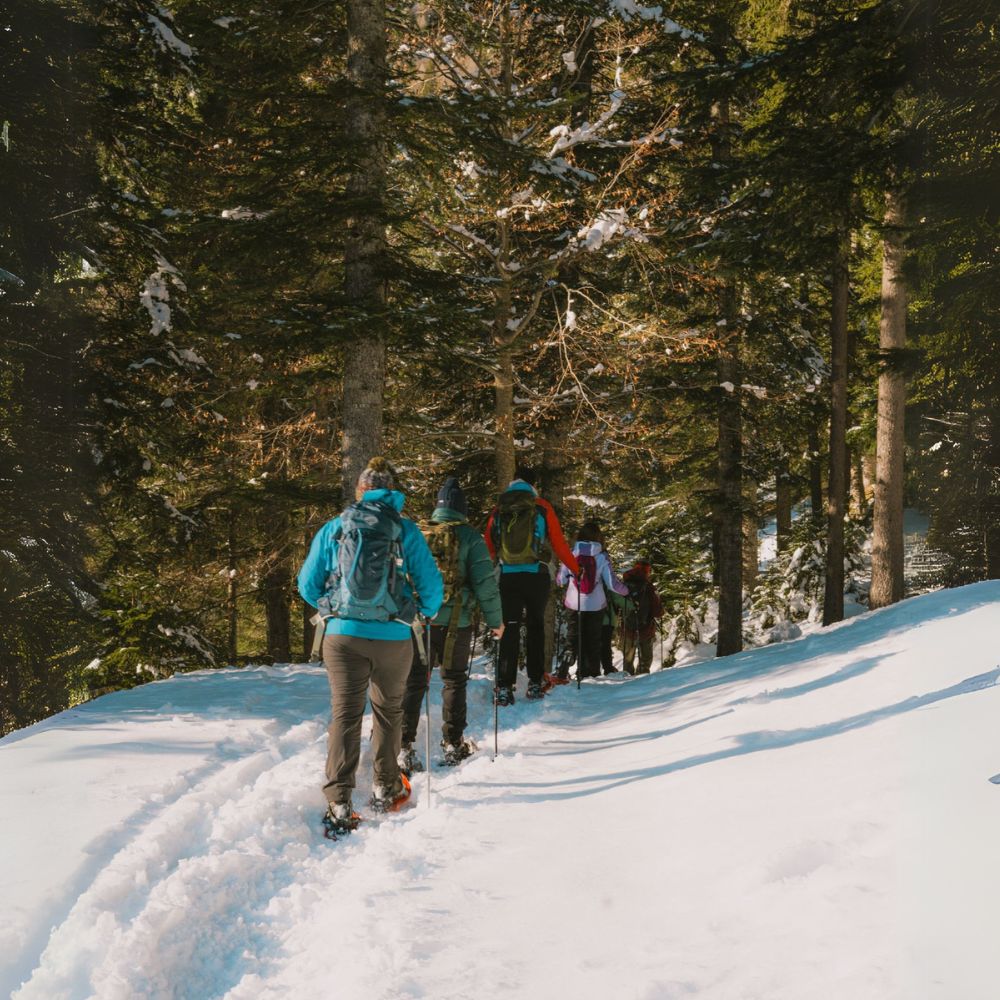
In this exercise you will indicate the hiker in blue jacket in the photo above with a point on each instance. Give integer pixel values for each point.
(367, 644)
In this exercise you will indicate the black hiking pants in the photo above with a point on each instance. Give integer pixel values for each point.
(454, 678)
(523, 595)
(607, 653)
(592, 624)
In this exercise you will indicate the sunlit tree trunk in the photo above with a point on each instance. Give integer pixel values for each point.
(887, 533)
(364, 258)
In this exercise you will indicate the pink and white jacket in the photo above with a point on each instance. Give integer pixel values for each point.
(597, 599)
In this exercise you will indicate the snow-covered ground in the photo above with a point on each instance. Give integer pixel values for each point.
(812, 819)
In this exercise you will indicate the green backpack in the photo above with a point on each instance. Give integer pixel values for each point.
(443, 541)
(515, 528)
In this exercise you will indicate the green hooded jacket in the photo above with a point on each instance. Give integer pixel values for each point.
(477, 570)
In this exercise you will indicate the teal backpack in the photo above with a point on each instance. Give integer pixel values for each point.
(367, 584)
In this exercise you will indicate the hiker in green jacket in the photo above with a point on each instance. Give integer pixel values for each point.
(465, 565)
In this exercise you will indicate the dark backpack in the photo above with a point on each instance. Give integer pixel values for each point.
(515, 528)
(587, 581)
(640, 609)
(367, 583)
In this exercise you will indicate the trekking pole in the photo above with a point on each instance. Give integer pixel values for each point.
(579, 629)
(427, 703)
(496, 707)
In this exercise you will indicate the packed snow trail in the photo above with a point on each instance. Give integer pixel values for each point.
(812, 819)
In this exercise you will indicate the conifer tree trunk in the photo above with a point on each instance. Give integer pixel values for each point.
(858, 481)
(815, 476)
(833, 599)
(276, 585)
(729, 503)
(751, 542)
(783, 503)
(887, 533)
(364, 258)
(991, 533)
(503, 383)
(232, 607)
(729, 508)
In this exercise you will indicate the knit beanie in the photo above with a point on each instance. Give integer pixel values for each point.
(378, 475)
(451, 496)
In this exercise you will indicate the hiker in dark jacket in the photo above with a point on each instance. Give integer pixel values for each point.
(368, 655)
(519, 533)
(586, 600)
(640, 613)
(451, 632)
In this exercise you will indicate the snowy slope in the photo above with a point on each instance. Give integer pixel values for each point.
(808, 820)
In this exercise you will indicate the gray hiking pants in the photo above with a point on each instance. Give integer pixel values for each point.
(356, 668)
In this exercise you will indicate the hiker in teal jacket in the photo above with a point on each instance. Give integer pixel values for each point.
(369, 658)
(474, 569)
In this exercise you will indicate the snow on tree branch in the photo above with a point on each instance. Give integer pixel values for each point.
(628, 10)
(155, 294)
(164, 35)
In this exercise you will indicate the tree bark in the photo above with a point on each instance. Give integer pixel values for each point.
(729, 509)
(232, 606)
(783, 503)
(276, 585)
(751, 540)
(503, 383)
(858, 482)
(365, 250)
(833, 599)
(887, 532)
(991, 534)
(729, 503)
(816, 504)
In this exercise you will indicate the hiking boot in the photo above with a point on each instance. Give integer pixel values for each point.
(389, 799)
(534, 691)
(455, 753)
(340, 818)
(505, 696)
(408, 761)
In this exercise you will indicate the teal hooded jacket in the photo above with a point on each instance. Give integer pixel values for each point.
(418, 565)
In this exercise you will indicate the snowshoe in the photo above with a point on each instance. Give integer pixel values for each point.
(389, 800)
(339, 820)
(534, 691)
(504, 696)
(556, 679)
(455, 753)
(408, 760)
(548, 683)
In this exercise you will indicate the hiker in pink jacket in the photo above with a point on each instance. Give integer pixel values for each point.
(586, 599)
